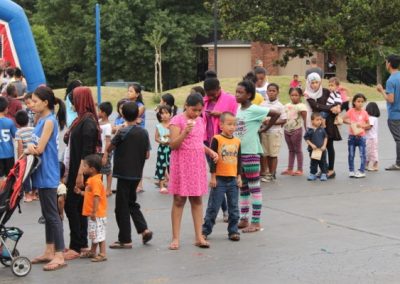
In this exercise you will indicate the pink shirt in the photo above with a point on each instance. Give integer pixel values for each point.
(295, 84)
(355, 117)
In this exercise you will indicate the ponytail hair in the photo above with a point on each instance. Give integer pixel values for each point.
(46, 94)
(138, 89)
(170, 100)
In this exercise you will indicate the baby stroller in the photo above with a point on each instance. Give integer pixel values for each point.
(10, 196)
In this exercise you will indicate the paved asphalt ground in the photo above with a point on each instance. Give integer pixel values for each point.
(341, 231)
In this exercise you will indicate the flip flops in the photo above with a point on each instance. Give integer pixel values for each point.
(99, 258)
(251, 229)
(38, 260)
(54, 266)
(174, 246)
(119, 245)
(204, 245)
(234, 237)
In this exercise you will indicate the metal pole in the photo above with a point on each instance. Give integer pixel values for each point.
(98, 54)
(215, 37)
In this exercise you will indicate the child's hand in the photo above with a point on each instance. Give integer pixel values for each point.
(213, 182)
(323, 148)
(213, 155)
(104, 160)
(77, 190)
(239, 181)
(314, 147)
(93, 216)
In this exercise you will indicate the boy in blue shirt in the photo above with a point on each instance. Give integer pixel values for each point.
(7, 134)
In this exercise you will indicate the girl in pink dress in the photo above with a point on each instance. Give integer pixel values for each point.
(188, 174)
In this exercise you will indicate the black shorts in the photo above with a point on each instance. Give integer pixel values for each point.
(5, 166)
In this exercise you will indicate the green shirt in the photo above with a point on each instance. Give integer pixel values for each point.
(248, 124)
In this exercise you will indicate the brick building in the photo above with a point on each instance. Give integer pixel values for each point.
(236, 58)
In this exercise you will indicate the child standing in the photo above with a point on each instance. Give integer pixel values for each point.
(188, 177)
(358, 119)
(28, 109)
(162, 138)
(249, 120)
(8, 131)
(272, 139)
(262, 81)
(295, 83)
(94, 207)
(61, 191)
(296, 113)
(131, 147)
(372, 136)
(119, 121)
(105, 110)
(317, 139)
(225, 177)
(343, 91)
(23, 136)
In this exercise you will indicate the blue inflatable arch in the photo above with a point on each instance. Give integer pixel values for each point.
(19, 34)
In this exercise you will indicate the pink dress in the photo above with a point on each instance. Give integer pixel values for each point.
(188, 172)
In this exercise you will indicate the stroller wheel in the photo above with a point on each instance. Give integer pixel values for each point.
(7, 261)
(21, 266)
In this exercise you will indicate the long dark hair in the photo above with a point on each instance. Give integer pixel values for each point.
(160, 110)
(373, 109)
(46, 94)
(71, 86)
(138, 89)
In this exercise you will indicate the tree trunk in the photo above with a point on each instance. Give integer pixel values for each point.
(379, 74)
(341, 66)
(155, 73)
(160, 69)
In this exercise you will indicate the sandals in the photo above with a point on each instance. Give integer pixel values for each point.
(54, 266)
(88, 254)
(243, 224)
(251, 229)
(99, 258)
(174, 245)
(146, 237)
(163, 190)
(287, 172)
(234, 237)
(297, 173)
(71, 254)
(38, 260)
(119, 245)
(204, 245)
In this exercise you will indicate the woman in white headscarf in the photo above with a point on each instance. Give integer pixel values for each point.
(317, 97)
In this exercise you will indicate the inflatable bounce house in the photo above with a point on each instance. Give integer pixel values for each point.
(17, 45)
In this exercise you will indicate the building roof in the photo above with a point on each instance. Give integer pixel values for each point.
(228, 43)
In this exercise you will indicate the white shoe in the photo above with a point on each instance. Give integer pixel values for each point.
(359, 175)
(351, 174)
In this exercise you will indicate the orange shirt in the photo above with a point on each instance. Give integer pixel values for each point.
(228, 149)
(94, 187)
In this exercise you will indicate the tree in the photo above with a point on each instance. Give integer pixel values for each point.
(348, 29)
(157, 40)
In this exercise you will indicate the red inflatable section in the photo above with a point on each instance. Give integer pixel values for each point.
(6, 52)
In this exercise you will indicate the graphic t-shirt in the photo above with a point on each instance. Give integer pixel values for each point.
(7, 133)
(293, 114)
(94, 187)
(357, 117)
(228, 149)
(248, 124)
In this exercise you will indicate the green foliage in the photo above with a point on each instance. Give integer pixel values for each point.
(69, 28)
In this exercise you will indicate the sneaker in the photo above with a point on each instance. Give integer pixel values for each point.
(359, 175)
(352, 174)
(393, 167)
(267, 178)
(323, 177)
(311, 177)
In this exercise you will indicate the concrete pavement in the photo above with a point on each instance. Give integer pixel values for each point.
(341, 231)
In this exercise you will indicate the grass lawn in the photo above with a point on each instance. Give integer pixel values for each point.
(115, 94)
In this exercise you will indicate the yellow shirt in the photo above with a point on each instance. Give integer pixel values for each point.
(258, 99)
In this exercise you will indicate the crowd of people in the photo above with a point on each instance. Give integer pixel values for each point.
(237, 138)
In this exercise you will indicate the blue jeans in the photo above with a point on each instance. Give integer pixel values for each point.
(228, 186)
(360, 142)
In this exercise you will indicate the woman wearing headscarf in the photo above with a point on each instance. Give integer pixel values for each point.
(317, 98)
(83, 139)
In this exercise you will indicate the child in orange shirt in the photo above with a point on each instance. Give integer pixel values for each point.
(94, 207)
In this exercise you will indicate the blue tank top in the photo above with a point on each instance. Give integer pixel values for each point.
(47, 175)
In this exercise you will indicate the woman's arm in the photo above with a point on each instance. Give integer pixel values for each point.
(43, 140)
(315, 106)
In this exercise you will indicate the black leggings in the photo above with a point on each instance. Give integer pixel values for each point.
(331, 154)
